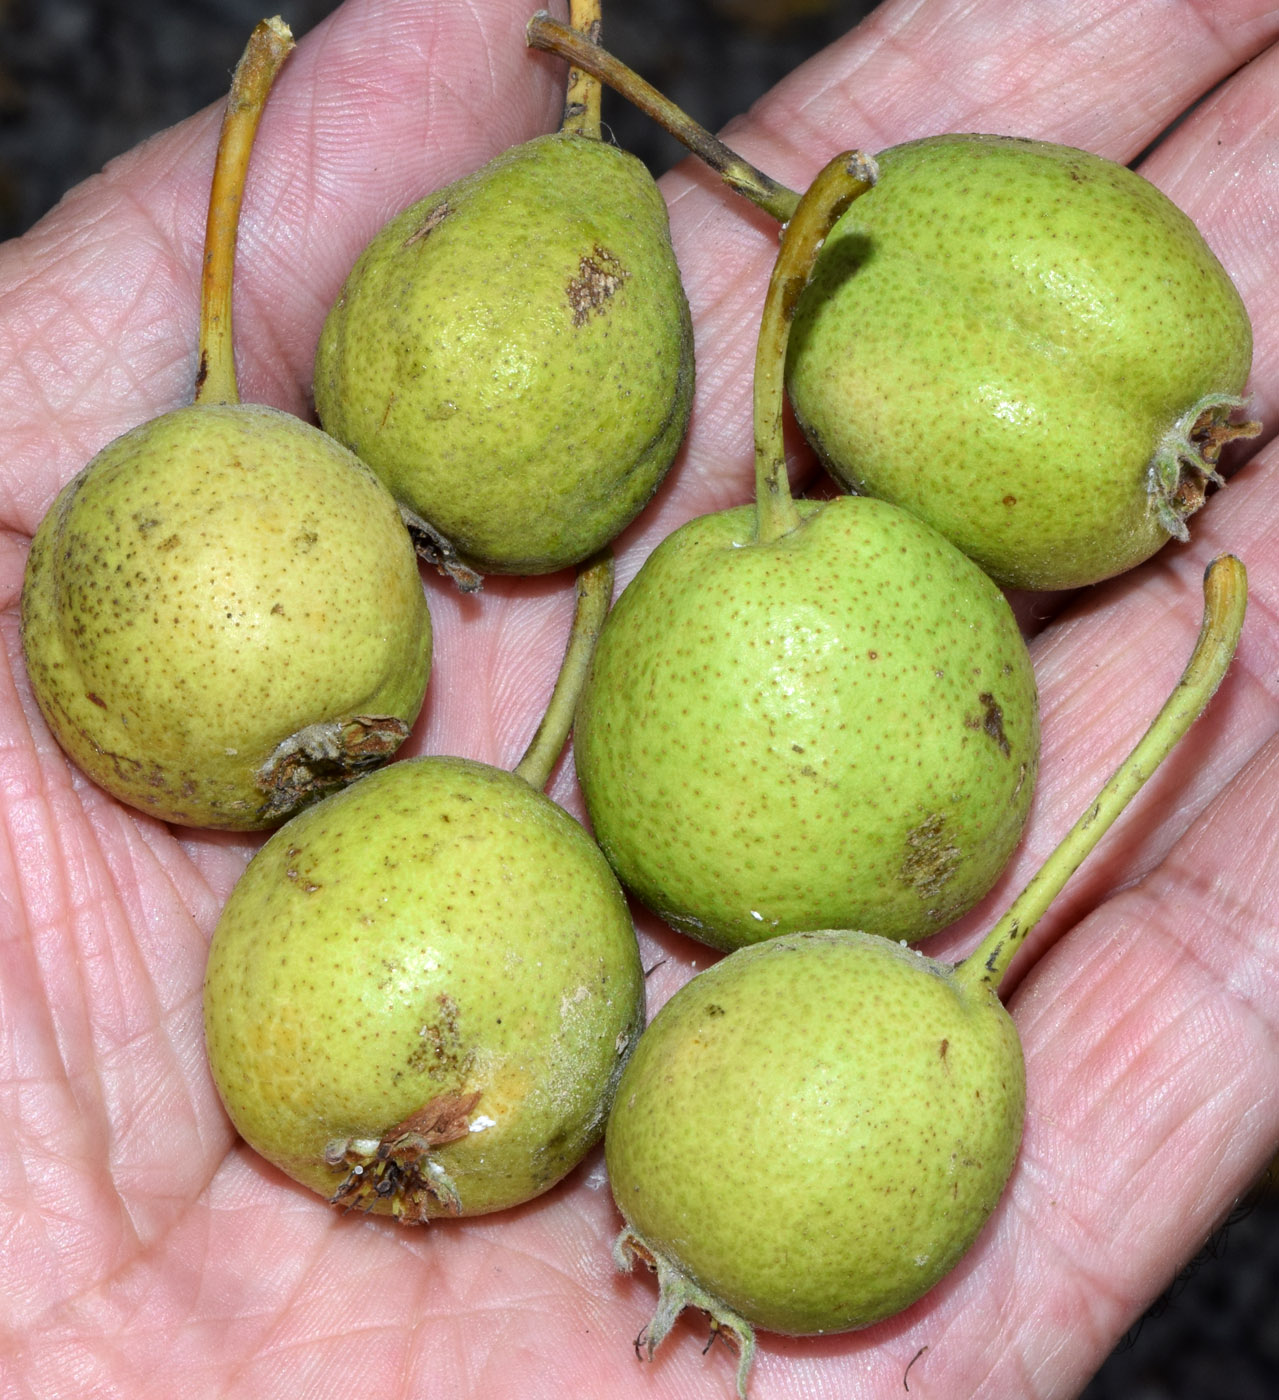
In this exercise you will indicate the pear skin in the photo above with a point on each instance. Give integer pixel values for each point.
(422, 991)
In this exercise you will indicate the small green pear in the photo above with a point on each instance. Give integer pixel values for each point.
(807, 715)
(1028, 346)
(812, 1132)
(222, 617)
(222, 614)
(513, 355)
(867, 1109)
(422, 990)
(835, 728)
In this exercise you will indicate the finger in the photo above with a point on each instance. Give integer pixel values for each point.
(1095, 75)
(1218, 166)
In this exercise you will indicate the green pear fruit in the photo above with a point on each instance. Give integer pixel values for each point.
(867, 1113)
(421, 993)
(807, 715)
(513, 355)
(1027, 345)
(222, 614)
(837, 728)
(813, 1132)
(222, 617)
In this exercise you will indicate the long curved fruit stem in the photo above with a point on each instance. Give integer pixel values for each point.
(594, 592)
(1225, 600)
(837, 184)
(269, 45)
(549, 35)
(582, 99)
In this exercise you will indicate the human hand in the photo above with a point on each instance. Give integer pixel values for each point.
(146, 1252)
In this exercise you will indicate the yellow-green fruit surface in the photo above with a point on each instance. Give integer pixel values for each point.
(212, 585)
(1001, 336)
(835, 729)
(513, 355)
(438, 931)
(815, 1129)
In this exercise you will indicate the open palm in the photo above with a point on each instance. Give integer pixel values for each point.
(143, 1250)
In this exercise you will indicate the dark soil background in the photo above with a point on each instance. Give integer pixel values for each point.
(83, 80)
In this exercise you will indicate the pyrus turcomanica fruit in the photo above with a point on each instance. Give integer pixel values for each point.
(1028, 346)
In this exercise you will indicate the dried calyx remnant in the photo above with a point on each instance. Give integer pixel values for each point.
(324, 756)
(1186, 460)
(398, 1167)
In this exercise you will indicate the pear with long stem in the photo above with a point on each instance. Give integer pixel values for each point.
(513, 354)
(807, 714)
(1027, 345)
(222, 614)
(422, 991)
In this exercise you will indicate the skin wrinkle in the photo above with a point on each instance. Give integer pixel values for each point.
(839, 108)
(205, 865)
(1161, 1105)
(91, 356)
(1189, 169)
(429, 1304)
(997, 1383)
(185, 879)
(248, 1359)
(1226, 27)
(91, 1140)
(1097, 1292)
(1211, 973)
(269, 238)
(1055, 1371)
(1248, 997)
(1144, 1017)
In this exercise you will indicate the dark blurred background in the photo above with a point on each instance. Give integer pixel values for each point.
(83, 80)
